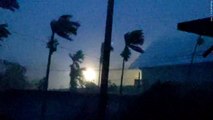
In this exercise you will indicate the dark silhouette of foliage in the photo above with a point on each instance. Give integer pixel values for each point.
(40, 84)
(199, 42)
(13, 77)
(4, 32)
(63, 27)
(76, 71)
(132, 41)
(9, 4)
(172, 101)
(90, 85)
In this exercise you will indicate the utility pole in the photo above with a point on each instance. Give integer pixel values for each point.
(106, 59)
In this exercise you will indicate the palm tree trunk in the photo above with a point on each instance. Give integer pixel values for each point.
(194, 52)
(192, 61)
(122, 75)
(45, 87)
(47, 71)
(51, 50)
(106, 58)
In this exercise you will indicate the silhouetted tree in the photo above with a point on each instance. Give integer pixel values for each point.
(75, 70)
(13, 76)
(132, 40)
(172, 101)
(63, 27)
(11, 5)
(199, 42)
(4, 32)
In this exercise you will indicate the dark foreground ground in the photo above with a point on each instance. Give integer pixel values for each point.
(164, 101)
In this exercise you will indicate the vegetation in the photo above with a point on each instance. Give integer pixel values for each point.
(11, 5)
(13, 76)
(132, 41)
(63, 27)
(76, 75)
(173, 101)
(4, 32)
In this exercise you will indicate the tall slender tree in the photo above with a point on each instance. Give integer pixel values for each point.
(199, 42)
(63, 27)
(75, 70)
(132, 41)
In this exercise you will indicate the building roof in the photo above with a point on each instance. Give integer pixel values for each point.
(178, 51)
(172, 51)
(202, 26)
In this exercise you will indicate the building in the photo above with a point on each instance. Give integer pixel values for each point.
(179, 59)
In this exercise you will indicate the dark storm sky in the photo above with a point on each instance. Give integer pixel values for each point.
(30, 30)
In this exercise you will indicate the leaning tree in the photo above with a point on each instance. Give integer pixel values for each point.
(132, 41)
(63, 27)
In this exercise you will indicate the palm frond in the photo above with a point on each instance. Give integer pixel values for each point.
(136, 48)
(78, 57)
(132, 40)
(4, 33)
(64, 27)
(135, 37)
(9, 4)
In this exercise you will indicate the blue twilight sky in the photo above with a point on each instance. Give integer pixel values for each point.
(31, 30)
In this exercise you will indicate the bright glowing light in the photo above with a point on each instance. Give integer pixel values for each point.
(89, 74)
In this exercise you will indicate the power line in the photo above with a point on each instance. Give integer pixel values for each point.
(45, 43)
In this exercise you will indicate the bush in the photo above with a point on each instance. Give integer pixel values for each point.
(172, 101)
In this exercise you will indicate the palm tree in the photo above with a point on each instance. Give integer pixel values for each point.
(132, 41)
(9, 4)
(63, 27)
(76, 71)
(4, 33)
(199, 42)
